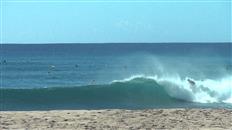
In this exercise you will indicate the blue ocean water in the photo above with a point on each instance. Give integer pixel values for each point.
(117, 75)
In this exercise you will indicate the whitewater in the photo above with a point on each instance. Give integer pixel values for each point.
(204, 91)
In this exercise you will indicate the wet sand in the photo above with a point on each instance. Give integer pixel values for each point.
(178, 119)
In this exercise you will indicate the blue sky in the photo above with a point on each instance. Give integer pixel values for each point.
(93, 22)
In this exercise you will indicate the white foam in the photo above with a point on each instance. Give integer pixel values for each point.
(204, 91)
(129, 79)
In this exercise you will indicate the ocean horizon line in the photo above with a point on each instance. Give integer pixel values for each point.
(54, 43)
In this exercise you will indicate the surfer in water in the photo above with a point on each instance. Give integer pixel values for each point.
(4, 62)
(52, 67)
(192, 85)
(92, 82)
(76, 66)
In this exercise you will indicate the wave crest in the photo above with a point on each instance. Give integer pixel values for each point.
(203, 91)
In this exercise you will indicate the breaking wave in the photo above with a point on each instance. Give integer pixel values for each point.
(136, 91)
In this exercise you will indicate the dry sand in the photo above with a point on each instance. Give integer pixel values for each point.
(179, 119)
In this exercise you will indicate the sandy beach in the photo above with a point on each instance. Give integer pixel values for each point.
(204, 119)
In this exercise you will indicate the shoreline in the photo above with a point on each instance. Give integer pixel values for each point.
(204, 119)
